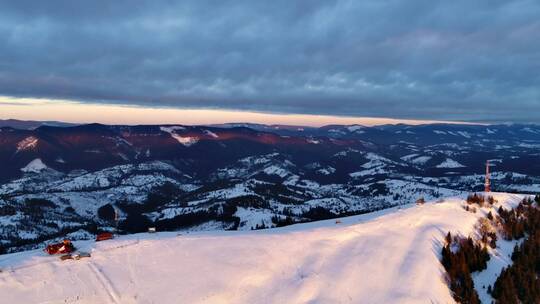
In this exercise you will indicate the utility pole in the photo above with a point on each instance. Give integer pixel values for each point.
(487, 184)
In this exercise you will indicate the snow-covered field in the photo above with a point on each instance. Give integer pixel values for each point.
(391, 256)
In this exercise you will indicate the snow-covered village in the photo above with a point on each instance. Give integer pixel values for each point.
(269, 152)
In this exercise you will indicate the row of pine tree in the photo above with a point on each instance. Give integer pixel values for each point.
(519, 283)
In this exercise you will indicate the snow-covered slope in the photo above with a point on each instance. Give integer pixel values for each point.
(450, 163)
(34, 166)
(390, 256)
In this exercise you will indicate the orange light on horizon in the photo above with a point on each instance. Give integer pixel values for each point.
(77, 112)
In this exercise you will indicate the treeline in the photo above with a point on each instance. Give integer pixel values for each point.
(461, 257)
(137, 222)
(138, 214)
(317, 213)
(480, 200)
(42, 219)
(520, 283)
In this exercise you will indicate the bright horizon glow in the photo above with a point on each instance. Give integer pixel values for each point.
(112, 114)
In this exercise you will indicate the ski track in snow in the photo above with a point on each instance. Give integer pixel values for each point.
(391, 256)
(105, 282)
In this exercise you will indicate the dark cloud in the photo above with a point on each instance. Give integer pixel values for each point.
(467, 60)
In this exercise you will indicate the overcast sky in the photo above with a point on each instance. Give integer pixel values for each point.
(413, 59)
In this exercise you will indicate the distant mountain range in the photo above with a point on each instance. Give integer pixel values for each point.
(70, 179)
(31, 124)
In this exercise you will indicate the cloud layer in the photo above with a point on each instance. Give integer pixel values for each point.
(463, 60)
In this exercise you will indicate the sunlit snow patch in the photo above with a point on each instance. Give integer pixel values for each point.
(210, 133)
(327, 170)
(421, 160)
(171, 129)
(184, 140)
(27, 143)
(355, 128)
(450, 163)
(34, 166)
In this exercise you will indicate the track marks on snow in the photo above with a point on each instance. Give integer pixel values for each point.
(105, 282)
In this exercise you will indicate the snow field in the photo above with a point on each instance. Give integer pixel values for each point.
(391, 256)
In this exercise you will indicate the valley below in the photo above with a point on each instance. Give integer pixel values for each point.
(76, 181)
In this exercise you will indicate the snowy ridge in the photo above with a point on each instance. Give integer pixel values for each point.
(355, 128)
(421, 160)
(416, 159)
(376, 165)
(171, 129)
(450, 163)
(34, 166)
(319, 262)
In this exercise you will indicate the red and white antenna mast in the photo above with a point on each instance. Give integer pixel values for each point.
(487, 184)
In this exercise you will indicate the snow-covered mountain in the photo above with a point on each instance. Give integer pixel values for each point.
(72, 180)
(390, 256)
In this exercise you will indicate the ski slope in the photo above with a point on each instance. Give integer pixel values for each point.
(390, 256)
